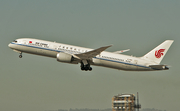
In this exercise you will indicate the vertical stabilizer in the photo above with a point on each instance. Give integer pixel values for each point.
(156, 55)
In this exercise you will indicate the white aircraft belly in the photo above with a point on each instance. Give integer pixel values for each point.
(115, 65)
(119, 65)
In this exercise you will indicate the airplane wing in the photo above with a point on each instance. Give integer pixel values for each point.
(121, 51)
(91, 54)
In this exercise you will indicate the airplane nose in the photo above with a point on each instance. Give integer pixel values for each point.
(10, 45)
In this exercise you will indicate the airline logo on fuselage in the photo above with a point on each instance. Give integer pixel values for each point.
(159, 53)
(39, 44)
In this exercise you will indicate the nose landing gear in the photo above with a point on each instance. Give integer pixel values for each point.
(20, 56)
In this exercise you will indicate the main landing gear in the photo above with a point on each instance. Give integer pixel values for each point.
(85, 67)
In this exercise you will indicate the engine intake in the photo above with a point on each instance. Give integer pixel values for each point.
(64, 57)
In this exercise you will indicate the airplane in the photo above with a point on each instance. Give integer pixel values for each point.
(99, 57)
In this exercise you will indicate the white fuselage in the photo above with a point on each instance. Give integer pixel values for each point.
(105, 59)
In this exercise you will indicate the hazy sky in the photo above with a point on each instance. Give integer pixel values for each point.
(36, 83)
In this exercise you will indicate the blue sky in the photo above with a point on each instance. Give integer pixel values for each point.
(40, 83)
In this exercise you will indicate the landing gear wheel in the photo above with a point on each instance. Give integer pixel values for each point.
(86, 67)
(90, 69)
(82, 68)
(20, 56)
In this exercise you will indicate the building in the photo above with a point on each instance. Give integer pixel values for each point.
(124, 102)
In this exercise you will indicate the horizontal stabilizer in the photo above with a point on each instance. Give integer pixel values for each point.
(121, 51)
(159, 67)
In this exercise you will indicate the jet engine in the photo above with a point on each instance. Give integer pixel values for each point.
(64, 57)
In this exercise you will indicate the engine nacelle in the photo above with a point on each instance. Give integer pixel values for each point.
(64, 57)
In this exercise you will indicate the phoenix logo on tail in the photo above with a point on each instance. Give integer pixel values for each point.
(159, 53)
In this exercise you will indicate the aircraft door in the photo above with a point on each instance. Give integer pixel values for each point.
(55, 47)
(24, 42)
(21, 47)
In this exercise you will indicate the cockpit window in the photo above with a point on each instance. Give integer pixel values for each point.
(15, 41)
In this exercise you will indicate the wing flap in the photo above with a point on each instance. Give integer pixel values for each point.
(91, 54)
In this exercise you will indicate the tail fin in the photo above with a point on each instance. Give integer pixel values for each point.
(157, 54)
